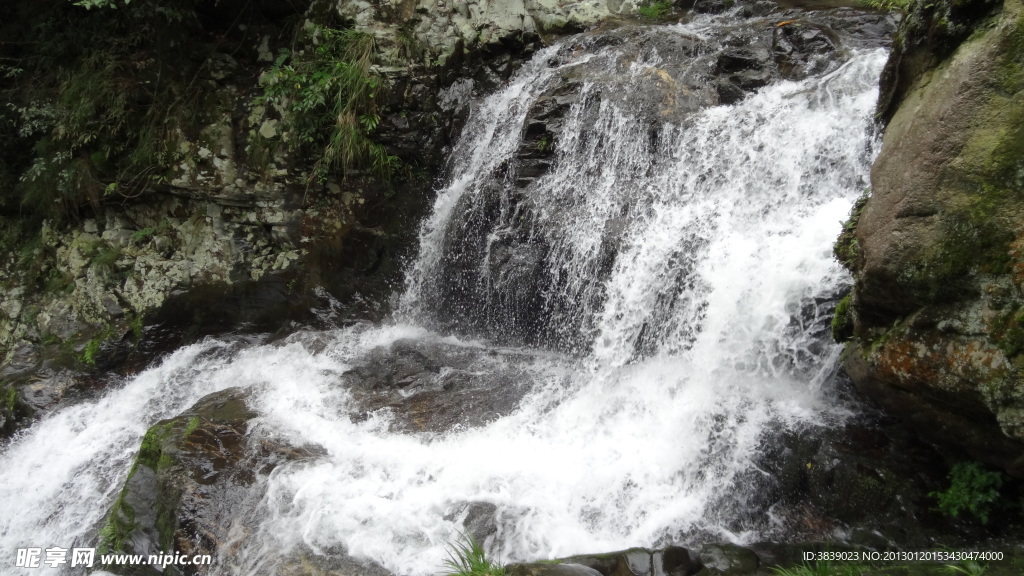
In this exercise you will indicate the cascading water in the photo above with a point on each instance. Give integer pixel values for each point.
(656, 298)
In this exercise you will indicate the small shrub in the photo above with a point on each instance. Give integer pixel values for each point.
(972, 489)
(466, 558)
(327, 95)
(92, 348)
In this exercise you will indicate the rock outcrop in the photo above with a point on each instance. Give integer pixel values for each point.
(937, 313)
(189, 481)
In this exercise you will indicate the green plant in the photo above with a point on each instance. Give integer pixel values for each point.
(467, 558)
(96, 109)
(106, 256)
(327, 97)
(847, 249)
(544, 143)
(142, 235)
(841, 325)
(972, 489)
(820, 568)
(92, 348)
(968, 568)
(656, 10)
(136, 325)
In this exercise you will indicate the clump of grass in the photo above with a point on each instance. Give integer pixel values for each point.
(822, 568)
(467, 558)
(968, 568)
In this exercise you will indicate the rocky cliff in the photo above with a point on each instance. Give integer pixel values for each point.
(936, 319)
(239, 221)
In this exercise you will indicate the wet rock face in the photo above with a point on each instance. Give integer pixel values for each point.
(193, 478)
(434, 388)
(936, 310)
(870, 479)
(500, 258)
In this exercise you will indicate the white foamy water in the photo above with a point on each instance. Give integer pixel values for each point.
(703, 330)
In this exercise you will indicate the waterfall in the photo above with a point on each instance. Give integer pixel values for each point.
(661, 290)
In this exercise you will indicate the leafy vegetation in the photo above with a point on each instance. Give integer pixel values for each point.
(91, 350)
(972, 489)
(97, 100)
(821, 568)
(327, 96)
(544, 144)
(467, 558)
(968, 568)
(656, 10)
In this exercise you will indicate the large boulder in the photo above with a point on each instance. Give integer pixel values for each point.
(937, 313)
(189, 482)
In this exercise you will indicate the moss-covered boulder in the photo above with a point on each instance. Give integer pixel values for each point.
(188, 482)
(938, 249)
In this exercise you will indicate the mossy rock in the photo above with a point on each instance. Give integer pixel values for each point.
(939, 259)
(188, 481)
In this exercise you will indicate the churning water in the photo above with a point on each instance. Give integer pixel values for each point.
(679, 281)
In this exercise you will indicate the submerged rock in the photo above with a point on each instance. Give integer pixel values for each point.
(434, 387)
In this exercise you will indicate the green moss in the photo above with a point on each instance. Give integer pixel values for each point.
(975, 238)
(879, 340)
(118, 528)
(842, 325)
(152, 445)
(10, 399)
(847, 249)
(121, 522)
(193, 423)
(1007, 330)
